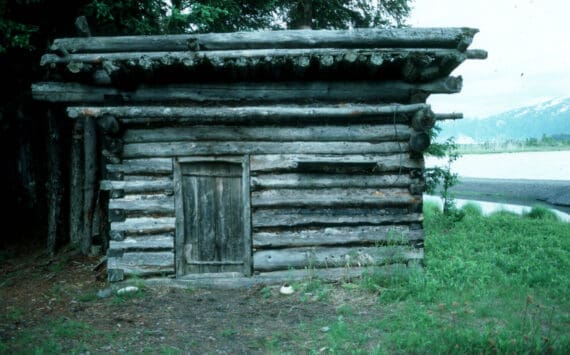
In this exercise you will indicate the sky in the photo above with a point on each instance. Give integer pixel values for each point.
(528, 42)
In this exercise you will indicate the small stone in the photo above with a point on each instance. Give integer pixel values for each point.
(325, 329)
(105, 293)
(286, 290)
(128, 289)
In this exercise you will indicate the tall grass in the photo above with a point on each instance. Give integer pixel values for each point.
(490, 284)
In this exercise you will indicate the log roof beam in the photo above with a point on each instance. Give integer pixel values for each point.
(250, 92)
(453, 38)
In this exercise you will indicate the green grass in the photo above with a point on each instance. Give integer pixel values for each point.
(55, 337)
(496, 284)
(490, 284)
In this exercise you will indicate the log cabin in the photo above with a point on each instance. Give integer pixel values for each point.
(236, 158)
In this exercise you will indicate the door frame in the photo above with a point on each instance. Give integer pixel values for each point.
(179, 208)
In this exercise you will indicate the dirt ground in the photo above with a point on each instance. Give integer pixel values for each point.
(43, 297)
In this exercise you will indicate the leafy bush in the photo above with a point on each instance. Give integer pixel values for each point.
(542, 213)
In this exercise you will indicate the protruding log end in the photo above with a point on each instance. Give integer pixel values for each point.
(448, 116)
(117, 235)
(101, 77)
(117, 216)
(417, 189)
(108, 124)
(466, 38)
(419, 142)
(476, 54)
(423, 120)
(453, 84)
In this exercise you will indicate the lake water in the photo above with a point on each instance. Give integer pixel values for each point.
(528, 165)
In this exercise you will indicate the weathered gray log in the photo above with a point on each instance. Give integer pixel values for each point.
(127, 271)
(148, 177)
(143, 263)
(423, 120)
(304, 181)
(140, 150)
(144, 225)
(398, 234)
(371, 163)
(419, 142)
(448, 116)
(132, 187)
(76, 169)
(329, 217)
(146, 259)
(161, 242)
(55, 183)
(476, 54)
(152, 166)
(235, 280)
(365, 133)
(342, 91)
(242, 113)
(332, 197)
(90, 183)
(320, 257)
(163, 206)
(459, 38)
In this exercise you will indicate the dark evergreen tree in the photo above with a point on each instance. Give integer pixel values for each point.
(28, 26)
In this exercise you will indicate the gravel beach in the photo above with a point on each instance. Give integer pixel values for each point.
(554, 193)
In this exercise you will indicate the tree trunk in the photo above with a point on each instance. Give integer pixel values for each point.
(76, 184)
(90, 179)
(301, 15)
(54, 182)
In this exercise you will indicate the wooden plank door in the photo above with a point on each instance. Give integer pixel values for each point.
(214, 223)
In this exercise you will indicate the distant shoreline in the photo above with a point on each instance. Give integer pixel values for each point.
(552, 193)
(477, 149)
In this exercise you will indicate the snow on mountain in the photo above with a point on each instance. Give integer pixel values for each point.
(548, 118)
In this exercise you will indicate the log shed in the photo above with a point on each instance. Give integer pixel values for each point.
(235, 158)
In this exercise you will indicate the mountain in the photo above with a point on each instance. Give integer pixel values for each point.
(550, 118)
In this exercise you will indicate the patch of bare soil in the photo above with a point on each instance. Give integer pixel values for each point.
(56, 298)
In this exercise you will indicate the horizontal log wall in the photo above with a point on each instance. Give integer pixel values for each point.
(322, 195)
(141, 212)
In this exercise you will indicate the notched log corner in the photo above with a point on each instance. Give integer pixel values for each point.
(419, 142)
